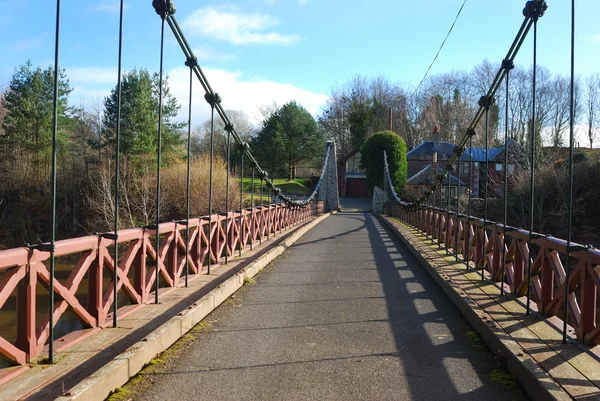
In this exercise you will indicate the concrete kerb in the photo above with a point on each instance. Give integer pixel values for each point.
(535, 381)
(117, 372)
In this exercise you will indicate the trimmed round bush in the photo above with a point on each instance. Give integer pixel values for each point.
(372, 159)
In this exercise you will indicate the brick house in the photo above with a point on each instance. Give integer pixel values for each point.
(421, 158)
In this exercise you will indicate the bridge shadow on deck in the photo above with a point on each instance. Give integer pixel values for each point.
(441, 357)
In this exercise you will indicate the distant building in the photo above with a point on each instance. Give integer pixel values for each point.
(420, 160)
(421, 181)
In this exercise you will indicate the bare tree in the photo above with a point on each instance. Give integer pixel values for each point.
(267, 110)
(560, 110)
(361, 107)
(334, 120)
(592, 106)
(240, 122)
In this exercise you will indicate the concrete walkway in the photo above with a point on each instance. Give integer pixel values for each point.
(355, 205)
(344, 314)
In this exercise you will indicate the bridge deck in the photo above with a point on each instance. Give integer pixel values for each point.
(346, 313)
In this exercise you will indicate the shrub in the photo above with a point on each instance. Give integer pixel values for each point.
(138, 194)
(174, 184)
(372, 159)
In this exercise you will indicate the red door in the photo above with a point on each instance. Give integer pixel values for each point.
(357, 188)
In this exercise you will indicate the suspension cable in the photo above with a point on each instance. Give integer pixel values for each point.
(241, 230)
(117, 168)
(532, 11)
(508, 65)
(486, 103)
(252, 228)
(456, 230)
(185, 47)
(262, 212)
(532, 164)
(190, 63)
(213, 100)
(447, 214)
(163, 12)
(227, 169)
(52, 247)
(570, 201)
(469, 209)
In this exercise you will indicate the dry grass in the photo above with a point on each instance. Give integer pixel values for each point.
(174, 184)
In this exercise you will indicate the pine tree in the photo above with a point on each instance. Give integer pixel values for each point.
(139, 116)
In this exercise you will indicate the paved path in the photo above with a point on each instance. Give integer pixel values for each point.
(355, 204)
(345, 314)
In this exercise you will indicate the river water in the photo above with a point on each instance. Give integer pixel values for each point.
(68, 322)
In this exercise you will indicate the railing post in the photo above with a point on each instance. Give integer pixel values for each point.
(26, 307)
(95, 284)
(447, 235)
(589, 294)
(173, 256)
(140, 272)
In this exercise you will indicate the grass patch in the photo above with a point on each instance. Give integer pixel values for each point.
(296, 187)
(45, 362)
(138, 382)
(248, 280)
(120, 394)
(500, 376)
(474, 339)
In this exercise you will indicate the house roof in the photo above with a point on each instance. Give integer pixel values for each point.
(350, 154)
(479, 153)
(423, 177)
(425, 151)
(445, 150)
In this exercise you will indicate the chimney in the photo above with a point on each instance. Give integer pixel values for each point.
(435, 138)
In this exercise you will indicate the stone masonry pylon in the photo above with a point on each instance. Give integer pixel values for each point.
(329, 187)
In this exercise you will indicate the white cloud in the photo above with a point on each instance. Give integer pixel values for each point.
(94, 75)
(236, 27)
(208, 54)
(91, 84)
(238, 93)
(596, 38)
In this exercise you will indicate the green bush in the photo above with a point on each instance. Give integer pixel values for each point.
(372, 159)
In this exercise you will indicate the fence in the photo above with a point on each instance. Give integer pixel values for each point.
(503, 256)
(23, 270)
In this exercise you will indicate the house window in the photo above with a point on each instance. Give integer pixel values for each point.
(511, 168)
(498, 167)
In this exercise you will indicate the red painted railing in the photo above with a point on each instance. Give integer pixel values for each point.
(23, 269)
(488, 249)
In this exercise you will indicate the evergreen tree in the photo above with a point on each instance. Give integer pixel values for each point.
(289, 136)
(28, 107)
(302, 138)
(268, 146)
(139, 115)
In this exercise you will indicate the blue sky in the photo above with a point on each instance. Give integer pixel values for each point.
(255, 52)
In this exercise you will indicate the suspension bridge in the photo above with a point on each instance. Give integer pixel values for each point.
(417, 302)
